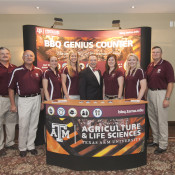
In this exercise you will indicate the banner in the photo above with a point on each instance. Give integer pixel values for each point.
(93, 131)
(54, 42)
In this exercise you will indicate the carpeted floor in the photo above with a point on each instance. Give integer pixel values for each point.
(12, 164)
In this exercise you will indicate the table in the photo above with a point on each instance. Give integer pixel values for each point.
(96, 135)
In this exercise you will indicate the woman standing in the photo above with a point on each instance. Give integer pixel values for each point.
(52, 80)
(135, 81)
(113, 79)
(69, 77)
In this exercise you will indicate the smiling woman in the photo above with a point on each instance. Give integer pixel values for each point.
(113, 79)
(135, 81)
(52, 80)
(69, 77)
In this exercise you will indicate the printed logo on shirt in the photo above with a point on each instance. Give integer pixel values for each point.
(51, 110)
(113, 75)
(37, 75)
(72, 112)
(97, 112)
(158, 71)
(84, 113)
(64, 64)
(82, 66)
(61, 111)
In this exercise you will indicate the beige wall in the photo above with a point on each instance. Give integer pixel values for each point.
(11, 34)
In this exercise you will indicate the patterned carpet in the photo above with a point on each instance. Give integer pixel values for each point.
(12, 164)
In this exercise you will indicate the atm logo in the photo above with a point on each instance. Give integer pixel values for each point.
(39, 30)
(60, 131)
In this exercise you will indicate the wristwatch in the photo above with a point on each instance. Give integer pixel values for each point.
(167, 98)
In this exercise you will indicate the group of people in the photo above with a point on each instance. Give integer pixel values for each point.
(32, 87)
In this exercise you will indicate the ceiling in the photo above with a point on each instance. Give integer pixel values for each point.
(86, 6)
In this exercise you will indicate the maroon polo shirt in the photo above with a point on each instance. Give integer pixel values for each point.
(111, 81)
(71, 82)
(25, 81)
(5, 74)
(132, 83)
(54, 83)
(160, 75)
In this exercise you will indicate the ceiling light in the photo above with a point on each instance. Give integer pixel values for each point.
(37, 7)
(132, 6)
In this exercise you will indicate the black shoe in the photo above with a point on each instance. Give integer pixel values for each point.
(159, 151)
(23, 153)
(13, 147)
(33, 152)
(2, 152)
(152, 144)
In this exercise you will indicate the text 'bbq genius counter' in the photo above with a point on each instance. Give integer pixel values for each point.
(98, 135)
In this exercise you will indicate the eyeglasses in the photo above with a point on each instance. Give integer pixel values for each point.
(27, 55)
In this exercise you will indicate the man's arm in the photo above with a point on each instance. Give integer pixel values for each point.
(13, 107)
(169, 90)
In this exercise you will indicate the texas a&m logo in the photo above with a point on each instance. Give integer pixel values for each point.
(59, 131)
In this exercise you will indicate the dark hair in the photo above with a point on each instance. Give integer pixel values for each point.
(49, 61)
(115, 66)
(4, 48)
(157, 47)
(51, 57)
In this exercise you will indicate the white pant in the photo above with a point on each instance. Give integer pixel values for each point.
(158, 117)
(10, 120)
(28, 110)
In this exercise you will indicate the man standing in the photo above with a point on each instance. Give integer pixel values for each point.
(6, 117)
(160, 77)
(27, 81)
(90, 81)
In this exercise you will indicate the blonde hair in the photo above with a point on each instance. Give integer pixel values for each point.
(69, 66)
(127, 65)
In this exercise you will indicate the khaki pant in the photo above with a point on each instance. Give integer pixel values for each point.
(28, 110)
(10, 120)
(158, 117)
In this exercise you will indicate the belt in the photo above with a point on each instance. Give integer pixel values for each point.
(156, 89)
(6, 96)
(111, 96)
(32, 95)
